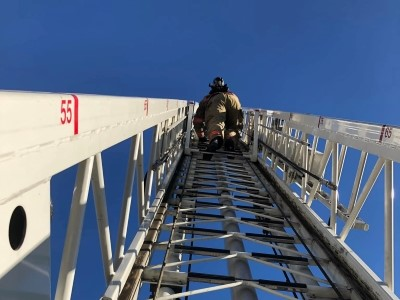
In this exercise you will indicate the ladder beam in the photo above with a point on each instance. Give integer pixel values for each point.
(261, 195)
(367, 280)
(380, 143)
(121, 275)
(102, 217)
(40, 147)
(291, 262)
(389, 225)
(71, 246)
(126, 203)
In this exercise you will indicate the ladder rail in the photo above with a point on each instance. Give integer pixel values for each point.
(43, 134)
(46, 133)
(280, 132)
(261, 227)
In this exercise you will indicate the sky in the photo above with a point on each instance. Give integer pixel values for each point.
(333, 58)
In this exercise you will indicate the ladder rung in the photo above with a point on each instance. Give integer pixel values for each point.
(272, 284)
(216, 232)
(287, 259)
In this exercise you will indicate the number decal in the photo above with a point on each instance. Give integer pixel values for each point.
(386, 132)
(66, 111)
(320, 121)
(146, 106)
(63, 113)
(69, 112)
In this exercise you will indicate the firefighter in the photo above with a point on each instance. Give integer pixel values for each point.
(219, 117)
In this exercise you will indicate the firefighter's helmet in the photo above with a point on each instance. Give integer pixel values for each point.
(218, 84)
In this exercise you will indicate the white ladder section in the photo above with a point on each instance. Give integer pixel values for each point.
(231, 211)
(300, 158)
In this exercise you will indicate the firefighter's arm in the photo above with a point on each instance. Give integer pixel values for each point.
(198, 120)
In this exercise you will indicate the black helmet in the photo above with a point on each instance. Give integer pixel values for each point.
(218, 84)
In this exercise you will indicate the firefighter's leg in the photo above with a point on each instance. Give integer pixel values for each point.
(215, 123)
(231, 140)
(232, 125)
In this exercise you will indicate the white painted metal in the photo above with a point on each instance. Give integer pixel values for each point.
(162, 148)
(363, 197)
(126, 203)
(389, 225)
(47, 133)
(172, 259)
(306, 167)
(230, 219)
(40, 147)
(238, 267)
(25, 272)
(291, 270)
(220, 177)
(271, 291)
(200, 291)
(368, 138)
(254, 153)
(343, 151)
(150, 170)
(345, 254)
(357, 180)
(44, 134)
(121, 274)
(320, 170)
(159, 143)
(381, 141)
(335, 179)
(71, 246)
(353, 134)
(188, 132)
(141, 184)
(102, 216)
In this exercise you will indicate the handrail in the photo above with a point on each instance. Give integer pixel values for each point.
(334, 151)
(42, 134)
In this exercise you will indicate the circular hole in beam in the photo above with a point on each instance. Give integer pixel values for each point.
(17, 228)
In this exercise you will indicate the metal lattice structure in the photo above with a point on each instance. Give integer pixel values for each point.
(261, 222)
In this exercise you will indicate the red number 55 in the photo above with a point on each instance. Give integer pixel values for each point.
(66, 112)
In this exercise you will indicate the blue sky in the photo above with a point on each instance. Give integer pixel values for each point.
(332, 58)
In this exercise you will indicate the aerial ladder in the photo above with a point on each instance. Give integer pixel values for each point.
(273, 219)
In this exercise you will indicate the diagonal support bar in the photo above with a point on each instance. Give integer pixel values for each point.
(102, 217)
(75, 223)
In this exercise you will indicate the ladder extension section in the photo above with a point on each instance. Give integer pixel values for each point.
(271, 220)
(43, 134)
(224, 225)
